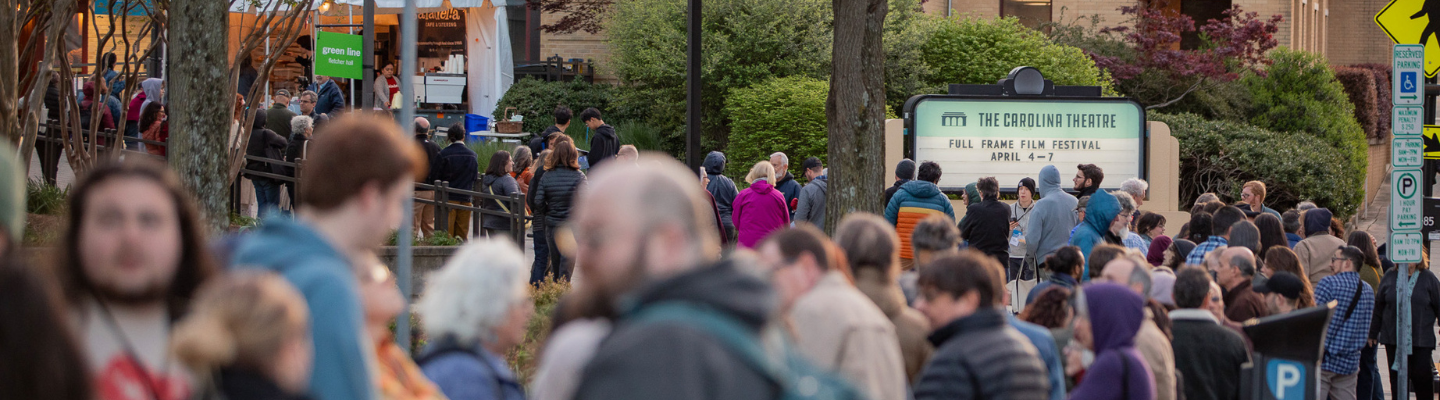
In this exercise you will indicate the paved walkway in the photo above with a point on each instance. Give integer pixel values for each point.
(1375, 218)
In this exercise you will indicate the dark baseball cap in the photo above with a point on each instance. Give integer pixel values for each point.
(1284, 283)
(282, 92)
(810, 163)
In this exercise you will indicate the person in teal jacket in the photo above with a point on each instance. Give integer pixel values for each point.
(1100, 214)
(918, 193)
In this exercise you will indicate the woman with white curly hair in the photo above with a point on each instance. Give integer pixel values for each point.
(475, 309)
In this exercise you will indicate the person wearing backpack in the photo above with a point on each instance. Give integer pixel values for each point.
(691, 325)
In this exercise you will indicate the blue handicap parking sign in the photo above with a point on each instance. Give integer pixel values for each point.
(1409, 82)
(1286, 379)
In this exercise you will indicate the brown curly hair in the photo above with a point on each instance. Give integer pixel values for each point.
(1050, 309)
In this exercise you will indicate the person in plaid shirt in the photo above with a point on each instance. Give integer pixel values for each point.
(1224, 218)
(1348, 326)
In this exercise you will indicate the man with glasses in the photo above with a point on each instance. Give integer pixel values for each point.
(1348, 326)
(1253, 195)
(308, 99)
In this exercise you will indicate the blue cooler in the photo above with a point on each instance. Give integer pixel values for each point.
(476, 123)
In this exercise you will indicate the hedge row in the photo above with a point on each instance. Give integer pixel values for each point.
(1220, 156)
(1381, 73)
(1360, 86)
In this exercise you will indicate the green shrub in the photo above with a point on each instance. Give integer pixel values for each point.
(782, 114)
(1360, 85)
(523, 359)
(907, 29)
(1300, 94)
(744, 42)
(440, 238)
(1220, 156)
(982, 51)
(536, 100)
(46, 199)
(241, 223)
(483, 151)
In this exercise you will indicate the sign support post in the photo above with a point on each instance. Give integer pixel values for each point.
(1408, 185)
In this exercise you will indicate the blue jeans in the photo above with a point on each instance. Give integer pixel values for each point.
(267, 194)
(542, 255)
(1369, 387)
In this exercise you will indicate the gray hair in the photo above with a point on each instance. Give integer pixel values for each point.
(1206, 198)
(300, 124)
(1127, 203)
(936, 232)
(1140, 274)
(1135, 187)
(1245, 264)
(784, 160)
(1306, 206)
(473, 293)
(311, 94)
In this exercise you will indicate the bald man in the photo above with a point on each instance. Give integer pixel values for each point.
(1234, 270)
(647, 234)
(1133, 272)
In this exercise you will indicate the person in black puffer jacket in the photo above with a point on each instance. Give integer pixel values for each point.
(554, 195)
(987, 223)
(977, 355)
(267, 144)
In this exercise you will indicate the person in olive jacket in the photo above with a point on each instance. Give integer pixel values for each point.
(1424, 310)
(555, 194)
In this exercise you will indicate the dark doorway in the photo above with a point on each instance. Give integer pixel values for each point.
(1202, 11)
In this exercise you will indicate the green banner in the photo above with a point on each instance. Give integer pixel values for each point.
(338, 55)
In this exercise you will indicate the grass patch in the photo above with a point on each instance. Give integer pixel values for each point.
(45, 199)
(42, 230)
(441, 238)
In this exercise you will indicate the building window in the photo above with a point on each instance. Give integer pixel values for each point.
(1031, 13)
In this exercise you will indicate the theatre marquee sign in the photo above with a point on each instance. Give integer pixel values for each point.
(1013, 137)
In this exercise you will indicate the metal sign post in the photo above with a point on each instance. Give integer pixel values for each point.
(407, 118)
(1406, 199)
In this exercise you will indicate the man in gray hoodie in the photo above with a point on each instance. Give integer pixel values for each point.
(1052, 217)
(811, 204)
(722, 188)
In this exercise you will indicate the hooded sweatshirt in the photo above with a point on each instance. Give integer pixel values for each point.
(1118, 373)
(691, 363)
(758, 210)
(720, 186)
(1319, 245)
(107, 120)
(811, 204)
(1051, 218)
(1095, 229)
(790, 188)
(322, 274)
(151, 88)
(603, 146)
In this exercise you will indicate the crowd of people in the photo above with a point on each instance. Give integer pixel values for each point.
(683, 285)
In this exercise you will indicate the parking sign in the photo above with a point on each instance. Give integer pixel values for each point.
(1407, 120)
(1405, 247)
(1406, 204)
(1409, 62)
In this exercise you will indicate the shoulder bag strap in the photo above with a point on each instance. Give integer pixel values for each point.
(491, 190)
(1354, 301)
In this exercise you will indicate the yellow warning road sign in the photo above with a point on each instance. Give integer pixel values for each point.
(1432, 142)
(1414, 22)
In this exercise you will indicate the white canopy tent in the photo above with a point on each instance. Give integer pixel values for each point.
(490, 66)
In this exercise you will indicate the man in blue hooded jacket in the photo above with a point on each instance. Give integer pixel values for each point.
(352, 184)
(1098, 227)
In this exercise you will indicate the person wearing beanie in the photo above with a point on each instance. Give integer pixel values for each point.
(810, 204)
(1050, 221)
(1019, 219)
(904, 172)
(12, 199)
(1156, 254)
(1112, 314)
(1319, 245)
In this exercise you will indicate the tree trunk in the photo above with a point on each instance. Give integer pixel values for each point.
(855, 111)
(199, 96)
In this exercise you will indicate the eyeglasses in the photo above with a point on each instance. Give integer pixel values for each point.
(1334, 259)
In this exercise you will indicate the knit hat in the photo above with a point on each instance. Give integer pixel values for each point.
(1317, 220)
(12, 193)
(973, 192)
(1183, 247)
(1029, 183)
(1156, 254)
(906, 169)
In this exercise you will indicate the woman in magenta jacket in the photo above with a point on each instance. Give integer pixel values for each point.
(759, 209)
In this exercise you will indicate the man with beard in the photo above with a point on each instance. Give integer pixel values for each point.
(646, 234)
(132, 256)
(1087, 179)
(350, 195)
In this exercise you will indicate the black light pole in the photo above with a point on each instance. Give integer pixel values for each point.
(692, 87)
(367, 84)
